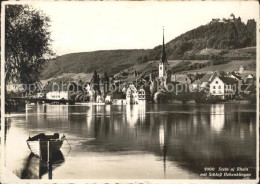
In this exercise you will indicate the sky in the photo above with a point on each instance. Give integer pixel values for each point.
(90, 26)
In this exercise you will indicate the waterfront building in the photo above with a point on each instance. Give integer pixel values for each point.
(116, 97)
(223, 87)
(203, 83)
(57, 91)
(131, 95)
(144, 94)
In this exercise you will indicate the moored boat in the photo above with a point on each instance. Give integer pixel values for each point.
(38, 144)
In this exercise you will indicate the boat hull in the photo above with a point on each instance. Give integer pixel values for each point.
(40, 148)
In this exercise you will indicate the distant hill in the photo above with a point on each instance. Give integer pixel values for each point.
(111, 61)
(222, 40)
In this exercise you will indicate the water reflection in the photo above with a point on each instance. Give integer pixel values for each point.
(34, 168)
(164, 141)
(217, 117)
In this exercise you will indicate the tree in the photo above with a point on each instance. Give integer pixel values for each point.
(27, 43)
(95, 82)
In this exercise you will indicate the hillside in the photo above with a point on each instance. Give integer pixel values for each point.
(216, 43)
(223, 35)
(111, 61)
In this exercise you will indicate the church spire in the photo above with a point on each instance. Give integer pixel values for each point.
(163, 59)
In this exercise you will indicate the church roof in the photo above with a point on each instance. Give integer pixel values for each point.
(163, 59)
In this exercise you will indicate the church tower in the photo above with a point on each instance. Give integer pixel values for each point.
(163, 66)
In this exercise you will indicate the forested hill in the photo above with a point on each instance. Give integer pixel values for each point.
(223, 34)
(111, 61)
(218, 35)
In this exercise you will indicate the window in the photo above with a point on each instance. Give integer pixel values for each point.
(216, 82)
(160, 67)
(214, 87)
(219, 87)
(214, 91)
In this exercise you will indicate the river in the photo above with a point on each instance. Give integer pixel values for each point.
(156, 141)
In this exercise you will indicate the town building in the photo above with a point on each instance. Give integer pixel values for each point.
(131, 95)
(57, 91)
(181, 78)
(223, 87)
(241, 70)
(203, 83)
(116, 97)
(144, 94)
(234, 76)
(249, 78)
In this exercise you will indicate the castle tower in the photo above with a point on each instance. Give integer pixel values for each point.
(163, 66)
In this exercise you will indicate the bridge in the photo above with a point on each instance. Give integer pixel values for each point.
(29, 100)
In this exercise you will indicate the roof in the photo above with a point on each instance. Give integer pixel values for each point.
(235, 75)
(208, 77)
(179, 77)
(228, 80)
(198, 76)
(247, 76)
(251, 76)
(196, 82)
(163, 59)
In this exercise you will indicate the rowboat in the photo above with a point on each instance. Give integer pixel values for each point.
(36, 168)
(41, 143)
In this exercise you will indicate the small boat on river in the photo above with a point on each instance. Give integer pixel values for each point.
(38, 144)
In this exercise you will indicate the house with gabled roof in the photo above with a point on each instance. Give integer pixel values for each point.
(203, 83)
(144, 94)
(181, 78)
(247, 77)
(250, 78)
(223, 87)
(131, 94)
(57, 90)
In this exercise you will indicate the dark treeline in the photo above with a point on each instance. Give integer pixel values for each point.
(223, 34)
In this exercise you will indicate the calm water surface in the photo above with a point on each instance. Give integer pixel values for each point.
(138, 141)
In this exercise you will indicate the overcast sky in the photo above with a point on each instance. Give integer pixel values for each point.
(90, 26)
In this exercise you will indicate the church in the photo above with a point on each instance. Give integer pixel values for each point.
(159, 84)
(164, 68)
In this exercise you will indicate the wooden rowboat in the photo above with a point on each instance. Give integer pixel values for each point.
(39, 144)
